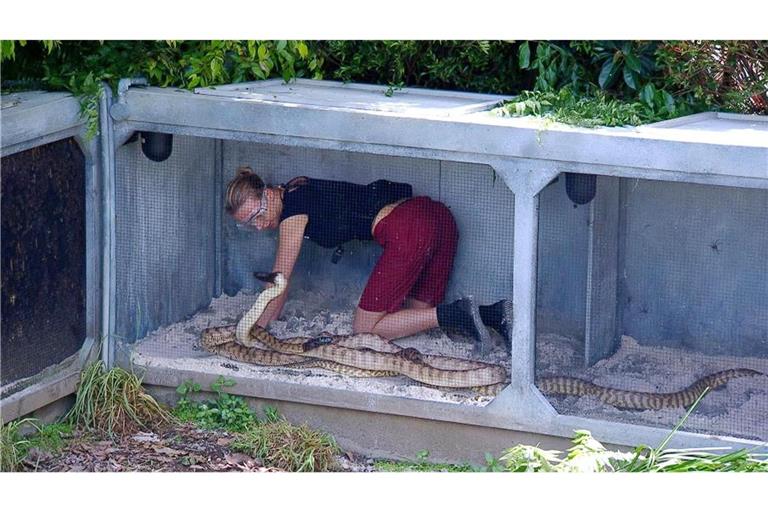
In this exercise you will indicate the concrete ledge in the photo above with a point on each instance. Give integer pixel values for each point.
(394, 436)
(35, 118)
(519, 413)
(37, 396)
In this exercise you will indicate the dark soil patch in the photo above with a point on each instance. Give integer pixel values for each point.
(169, 449)
(174, 448)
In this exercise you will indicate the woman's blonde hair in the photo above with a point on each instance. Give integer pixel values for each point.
(245, 183)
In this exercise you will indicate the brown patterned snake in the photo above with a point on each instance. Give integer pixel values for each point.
(360, 355)
(369, 355)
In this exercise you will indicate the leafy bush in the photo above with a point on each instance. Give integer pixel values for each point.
(479, 66)
(227, 411)
(729, 75)
(657, 79)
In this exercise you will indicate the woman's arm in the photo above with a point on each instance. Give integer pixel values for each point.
(288, 246)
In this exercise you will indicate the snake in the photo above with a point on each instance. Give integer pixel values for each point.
(357, 355)
(641, 400)
(370, 355)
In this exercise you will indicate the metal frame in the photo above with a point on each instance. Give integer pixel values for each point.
(526, 154)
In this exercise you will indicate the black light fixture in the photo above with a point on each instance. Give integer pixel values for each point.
(156, 146)
(580, 188)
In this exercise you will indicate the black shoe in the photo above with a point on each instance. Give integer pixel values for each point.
(463, 317)
(499, 317)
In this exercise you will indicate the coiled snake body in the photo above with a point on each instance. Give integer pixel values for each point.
(369, 355)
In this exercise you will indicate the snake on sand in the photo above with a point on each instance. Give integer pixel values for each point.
(370, 355)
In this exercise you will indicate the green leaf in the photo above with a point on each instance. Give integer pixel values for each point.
(525, 55)
(630, 78)
(632, 62)
(669, 102)
(606, 74)
(303, 50)
(647, 94)
(263, 52)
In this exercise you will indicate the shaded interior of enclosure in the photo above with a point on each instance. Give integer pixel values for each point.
(43, 259)
(183, 265)
(658, 284)
(647, 287)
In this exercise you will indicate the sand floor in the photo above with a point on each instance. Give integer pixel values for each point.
(740, 409)
(177, 346)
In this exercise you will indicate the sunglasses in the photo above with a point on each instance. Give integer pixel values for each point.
(248, 224)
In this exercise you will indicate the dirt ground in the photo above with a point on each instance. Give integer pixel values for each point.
(176, 448)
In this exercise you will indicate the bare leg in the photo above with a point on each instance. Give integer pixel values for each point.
(412, 303)
(398, 324)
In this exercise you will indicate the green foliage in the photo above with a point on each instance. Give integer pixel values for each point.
(481, 66)
(587, 455)
(15, 446)
(227, 411)
(630, 64)
(624, 82)
(273, 440)
(555, 65)
(727, 75)
(421, 465)
(113, 402)
(595, 109)
(81, 66)
(289, 447)
(51, 437)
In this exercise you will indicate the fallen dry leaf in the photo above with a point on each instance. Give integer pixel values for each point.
(236, 459)
(164, 450)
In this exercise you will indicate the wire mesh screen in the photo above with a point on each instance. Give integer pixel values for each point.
(43, 259)
(164, 229)
(650, 293)
(382, 241)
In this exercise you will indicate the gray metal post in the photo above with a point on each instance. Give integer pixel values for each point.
(600, 337)
(108, 224)
(93, 225)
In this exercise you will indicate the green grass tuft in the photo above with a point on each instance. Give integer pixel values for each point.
(288, 447)
(13, 445)
(114, 402)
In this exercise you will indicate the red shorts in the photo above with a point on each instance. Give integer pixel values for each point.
(419, 238)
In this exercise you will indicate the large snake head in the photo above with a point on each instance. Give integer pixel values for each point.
(267, 277)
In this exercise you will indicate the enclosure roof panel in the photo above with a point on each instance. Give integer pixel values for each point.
(37, 116)
(30, 99)
(341, 96)
(440, 124)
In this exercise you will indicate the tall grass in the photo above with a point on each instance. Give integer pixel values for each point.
(114, 402)
(13, 445)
